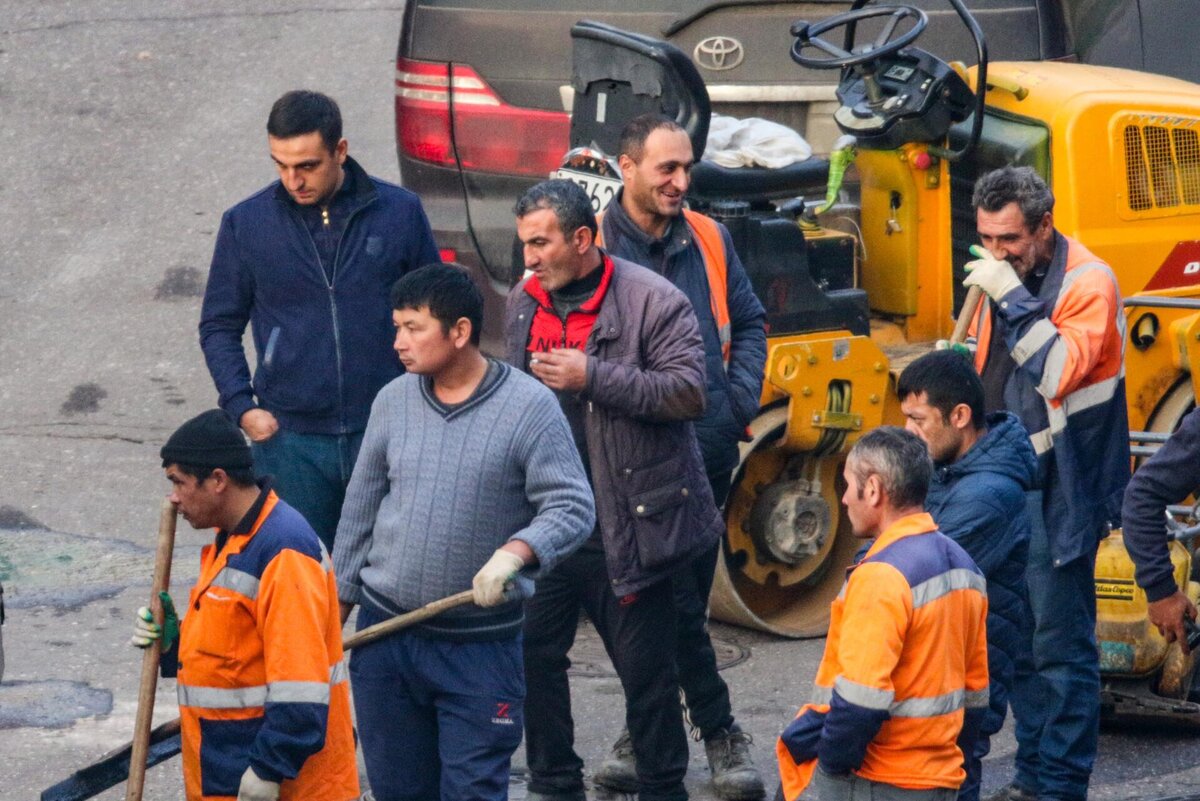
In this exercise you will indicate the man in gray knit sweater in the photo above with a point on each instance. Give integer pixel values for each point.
(467, 475)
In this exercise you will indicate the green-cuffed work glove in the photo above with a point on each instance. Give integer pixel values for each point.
(146, 631)
(995, 277)
(957, 347)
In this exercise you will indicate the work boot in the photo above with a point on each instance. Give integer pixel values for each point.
(733, 773)
(618, 771)
(1012, 793)
(534, 795)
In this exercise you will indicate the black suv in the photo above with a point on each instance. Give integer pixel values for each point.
(483, 88)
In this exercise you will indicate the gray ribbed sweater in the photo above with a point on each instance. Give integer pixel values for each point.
(434, 493)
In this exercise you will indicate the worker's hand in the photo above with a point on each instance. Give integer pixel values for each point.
(494, 577)
(995, 277)
(957, 347)
(146, 631)
(253, 788)
(1167, 615)
(563, 369)
(259, 425)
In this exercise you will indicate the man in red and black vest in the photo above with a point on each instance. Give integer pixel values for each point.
(647, 224)
(621, 348)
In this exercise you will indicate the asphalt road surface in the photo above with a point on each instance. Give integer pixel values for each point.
(125, 129)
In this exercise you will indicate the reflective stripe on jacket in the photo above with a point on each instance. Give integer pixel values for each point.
(1068, 388)
(903, 683)
(261, 678)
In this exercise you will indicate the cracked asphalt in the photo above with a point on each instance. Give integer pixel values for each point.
(126, 128)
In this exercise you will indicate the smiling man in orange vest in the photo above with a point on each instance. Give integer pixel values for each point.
(264, 697)
(648, 225)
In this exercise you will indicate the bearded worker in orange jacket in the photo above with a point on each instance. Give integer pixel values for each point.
(264, 699)
(903, 685)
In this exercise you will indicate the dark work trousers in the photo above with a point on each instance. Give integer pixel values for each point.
(311, 473)
(436, 719)
(638, 632)
(705, 692)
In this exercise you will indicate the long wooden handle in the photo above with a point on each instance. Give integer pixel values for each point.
(966, 314)
(392, 625)
(149, 683)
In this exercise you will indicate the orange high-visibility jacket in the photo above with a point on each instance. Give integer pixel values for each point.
(1068, 388)
(261, 678)
(905, 661)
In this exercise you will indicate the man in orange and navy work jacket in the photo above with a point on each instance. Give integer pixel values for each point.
(1050, 348)
(263, 693)
(903, 684)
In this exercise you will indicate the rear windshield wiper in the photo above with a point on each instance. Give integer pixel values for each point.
(687, 19)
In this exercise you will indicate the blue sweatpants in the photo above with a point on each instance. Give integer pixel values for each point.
(437, 719)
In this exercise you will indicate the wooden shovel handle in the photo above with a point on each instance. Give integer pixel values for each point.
(150, 659)
(966, 314)
(392, 625)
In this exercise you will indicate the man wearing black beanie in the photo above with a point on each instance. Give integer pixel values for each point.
(263, 690)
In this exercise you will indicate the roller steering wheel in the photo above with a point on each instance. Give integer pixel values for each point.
(809, 35)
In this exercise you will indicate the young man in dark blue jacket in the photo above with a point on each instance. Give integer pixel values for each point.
(308, 262)
(985, 474)
(647, 224)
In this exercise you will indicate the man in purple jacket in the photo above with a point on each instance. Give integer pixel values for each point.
(308, 262)
(621, 348)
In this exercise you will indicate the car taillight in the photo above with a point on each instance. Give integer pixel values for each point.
(487, 134)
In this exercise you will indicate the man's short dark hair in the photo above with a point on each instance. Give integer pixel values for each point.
(238, 476)
(447, 291)
(301, 112)
(1020, 185)
(900, 459)
(635, 133)
(947, 378)
(565, 198)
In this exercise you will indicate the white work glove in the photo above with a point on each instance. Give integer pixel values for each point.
(494, 577)
(253, 788)
(996, 278)
(145, 630)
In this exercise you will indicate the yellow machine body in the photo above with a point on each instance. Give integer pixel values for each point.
(1129, 645)
(1121, 152)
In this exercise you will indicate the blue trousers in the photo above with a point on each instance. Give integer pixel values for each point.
(1056, 687)
(311, 473)
(437, 719)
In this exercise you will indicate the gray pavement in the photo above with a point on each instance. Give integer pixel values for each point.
(126, 127)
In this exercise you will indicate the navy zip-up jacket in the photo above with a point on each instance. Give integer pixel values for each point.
(980, 502)
(324, 347)
(733, 393)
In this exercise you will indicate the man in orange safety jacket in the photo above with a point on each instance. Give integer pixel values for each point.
(263, 694)
(903, 683)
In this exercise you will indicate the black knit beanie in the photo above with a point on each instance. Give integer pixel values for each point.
(208, 440)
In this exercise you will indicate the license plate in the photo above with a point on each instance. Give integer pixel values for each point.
(598, 187)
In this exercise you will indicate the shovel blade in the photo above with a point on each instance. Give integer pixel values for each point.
(113, 768)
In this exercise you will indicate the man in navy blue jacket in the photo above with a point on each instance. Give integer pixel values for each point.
(308, 262)
(1167, 477)
(985, 474)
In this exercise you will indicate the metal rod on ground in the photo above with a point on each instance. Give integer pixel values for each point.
(110, 769)
(149, 683)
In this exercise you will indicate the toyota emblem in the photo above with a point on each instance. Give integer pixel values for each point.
(719, 53)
